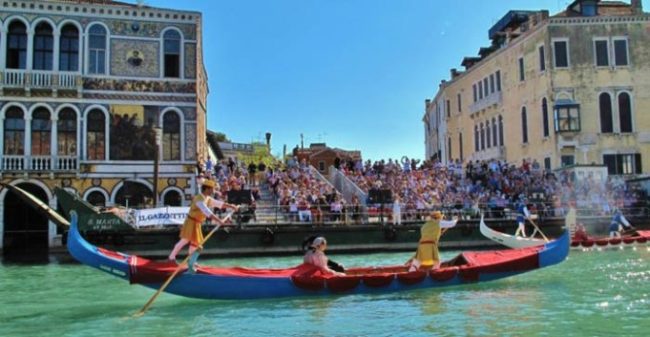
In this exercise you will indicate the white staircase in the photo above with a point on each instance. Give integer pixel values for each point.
(268, 211)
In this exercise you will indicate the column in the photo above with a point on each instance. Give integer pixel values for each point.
(55, 57)
(30, 50)
(28, 144)
(3, 55)
(54, 152)
(55, 65)
(2, 147)
(29, 63)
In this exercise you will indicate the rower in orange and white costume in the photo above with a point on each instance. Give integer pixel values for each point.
(200, 211)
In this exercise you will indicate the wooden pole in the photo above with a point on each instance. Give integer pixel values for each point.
(538, 229)
(178, 269)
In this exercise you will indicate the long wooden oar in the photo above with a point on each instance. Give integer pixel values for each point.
(178, 269)
(538, 229)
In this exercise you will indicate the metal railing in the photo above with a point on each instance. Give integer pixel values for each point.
(347, 188)
(13, 78)
(17, 163)
(68, 80)
(375, 214)
(40, 79)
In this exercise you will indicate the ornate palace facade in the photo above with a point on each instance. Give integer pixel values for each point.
(91, 92)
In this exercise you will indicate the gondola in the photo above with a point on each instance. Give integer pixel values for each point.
(305, 280)
(640, 237)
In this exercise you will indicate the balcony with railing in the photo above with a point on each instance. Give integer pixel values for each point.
(494, 98)
(40, 79)
(494, 152)
(18, 163)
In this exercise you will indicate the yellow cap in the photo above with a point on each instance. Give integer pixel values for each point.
(436, 215)
(209, 183)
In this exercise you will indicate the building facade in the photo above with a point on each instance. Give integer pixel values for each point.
(564, 89)
(102, 98)
(322, 157)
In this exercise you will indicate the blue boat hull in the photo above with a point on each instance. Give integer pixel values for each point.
(244, 283)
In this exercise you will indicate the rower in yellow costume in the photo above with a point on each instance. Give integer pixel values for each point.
(200, 211)
(426, 256)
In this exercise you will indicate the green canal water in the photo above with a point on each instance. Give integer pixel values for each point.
(591, 294)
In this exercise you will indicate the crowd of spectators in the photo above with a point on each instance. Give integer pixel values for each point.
(492, 187)
(302, 196)
(235, 179)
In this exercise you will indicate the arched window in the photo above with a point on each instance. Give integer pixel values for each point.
(14, 132)
(96, 198)
(545, 117)
(500, 130)
(524, 126)
(482, 137)
(172, 53)
(605, 104)
(66, 133)
(41, 132)
(69, 48)
(43, 47)
(134, 194)
(172, 198)
(97, 50)
(476, 141)
(488, 137)
(96, 130)
(625, 112)
(171, 136)
(17, 46)
(494, 132)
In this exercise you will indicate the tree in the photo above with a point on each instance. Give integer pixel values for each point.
(260, 154)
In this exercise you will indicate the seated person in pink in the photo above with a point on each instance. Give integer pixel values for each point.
(580, 234)
(316, 256)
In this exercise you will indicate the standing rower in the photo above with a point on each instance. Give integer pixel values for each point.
(200, 211)
(427, 257)
(619, 222)
(522, 214)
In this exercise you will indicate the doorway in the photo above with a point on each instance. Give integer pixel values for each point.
(25, 230)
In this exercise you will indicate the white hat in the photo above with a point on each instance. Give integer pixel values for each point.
(318, 241)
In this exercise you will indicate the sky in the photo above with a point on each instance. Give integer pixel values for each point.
(351, 73)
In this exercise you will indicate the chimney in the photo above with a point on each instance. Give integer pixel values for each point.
(637, 7)
(508, 35)
(268, 141)
(454, 73)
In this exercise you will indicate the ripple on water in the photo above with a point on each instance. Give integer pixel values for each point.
(592, 293)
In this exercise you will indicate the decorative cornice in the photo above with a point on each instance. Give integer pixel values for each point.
(114, 10)
(127, 97)
(564, 21)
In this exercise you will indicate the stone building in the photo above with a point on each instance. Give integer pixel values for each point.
(322, 157)
(565, 89)
(94, 95)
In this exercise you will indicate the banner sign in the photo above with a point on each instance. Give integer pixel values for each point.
(158, 217)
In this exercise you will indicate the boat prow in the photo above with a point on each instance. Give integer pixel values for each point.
(303, 280)
(116, 264)
(508, 240)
